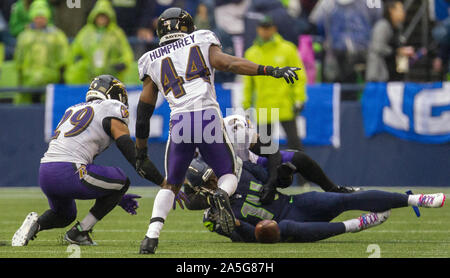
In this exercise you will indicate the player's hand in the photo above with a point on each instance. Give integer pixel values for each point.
(288, 73)
(129, 204)
(180, 198)
(267, 194)
(141, 161)
(285, 175)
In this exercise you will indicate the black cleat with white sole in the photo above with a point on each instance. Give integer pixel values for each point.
(77, 236)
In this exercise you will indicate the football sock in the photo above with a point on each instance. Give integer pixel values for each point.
(228, 183)
(413, 200)
(88, 222)
(309, 231)
(161, 208)
(351, 225)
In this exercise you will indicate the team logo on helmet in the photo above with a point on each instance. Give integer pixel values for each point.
(174, 24)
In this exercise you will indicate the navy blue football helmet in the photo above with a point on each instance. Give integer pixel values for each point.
(198, 172)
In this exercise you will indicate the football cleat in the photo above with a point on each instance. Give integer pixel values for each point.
(148, 245)
(221, 203)
(431, 200)
(77, 236)
(27, 231)
(372, 219)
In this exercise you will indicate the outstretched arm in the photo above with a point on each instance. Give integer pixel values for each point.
(237, 65)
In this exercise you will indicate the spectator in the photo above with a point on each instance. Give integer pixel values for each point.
(101, 47)
(5, 8)
(386, 50)
(204, 19)
(288, 27)
(19, 17)
(188, 5)
(270, 48)
(346, 26)
(70, 20)
(441, 35)
(3, 28)
(41, 52)
(136, 18)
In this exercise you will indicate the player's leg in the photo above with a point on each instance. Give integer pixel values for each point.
(106, 185)
(62, 210)
(217, 151)
(177, 161)
(325, 206)
(294, 231)
(61, 214)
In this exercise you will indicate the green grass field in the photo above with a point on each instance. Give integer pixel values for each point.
(118, 235)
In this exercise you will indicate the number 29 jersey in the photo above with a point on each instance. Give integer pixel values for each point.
(80, 135)
(182, 72)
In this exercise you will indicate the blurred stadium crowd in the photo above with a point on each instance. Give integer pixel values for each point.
(347, 41)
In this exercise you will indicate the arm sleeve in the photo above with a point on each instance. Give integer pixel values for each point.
(144, 113)
(127, 148)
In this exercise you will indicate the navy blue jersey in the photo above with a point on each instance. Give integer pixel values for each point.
(245, 202)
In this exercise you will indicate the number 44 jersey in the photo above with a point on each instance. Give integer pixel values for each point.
(182, 72)
(80, 135)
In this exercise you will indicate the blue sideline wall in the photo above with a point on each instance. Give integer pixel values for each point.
(382, 160)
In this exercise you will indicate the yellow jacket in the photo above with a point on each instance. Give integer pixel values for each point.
(268, 92)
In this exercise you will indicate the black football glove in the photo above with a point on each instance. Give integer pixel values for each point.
(287, 72)
(285, 175)
(267, 194)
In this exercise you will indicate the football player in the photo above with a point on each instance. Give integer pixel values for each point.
(67, 171)
(301, 218)
(182, 69)
(244, 138)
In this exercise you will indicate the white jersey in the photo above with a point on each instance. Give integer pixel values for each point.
(182, 72)
(241, 134)
(80, 136)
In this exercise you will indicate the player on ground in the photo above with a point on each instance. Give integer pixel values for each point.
(244, 139)
(67, 171)
(301, 218)
(182, 68)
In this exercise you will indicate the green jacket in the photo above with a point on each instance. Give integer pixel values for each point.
(268, 92)
(40, 56)
(20, 18)
(97, 51)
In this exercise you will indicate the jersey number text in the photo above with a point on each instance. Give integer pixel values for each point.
(196, 68)
(80, 120)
